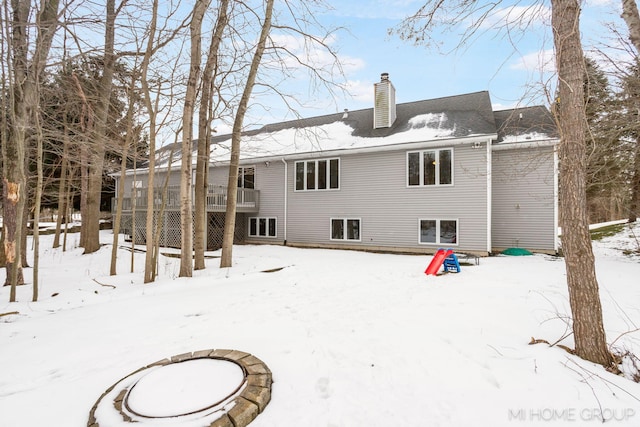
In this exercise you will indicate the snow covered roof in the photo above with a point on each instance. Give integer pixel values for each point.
(526, 124)
(454, 117)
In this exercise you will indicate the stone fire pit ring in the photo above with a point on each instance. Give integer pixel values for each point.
(228, 388)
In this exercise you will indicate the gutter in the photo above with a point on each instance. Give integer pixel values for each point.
(532, 144)
(444, 142)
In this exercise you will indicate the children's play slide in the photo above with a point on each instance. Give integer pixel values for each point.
(438, 260)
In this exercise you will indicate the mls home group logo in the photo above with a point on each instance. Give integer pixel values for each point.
(600, 415)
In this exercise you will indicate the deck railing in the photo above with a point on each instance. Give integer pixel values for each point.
(248, 200)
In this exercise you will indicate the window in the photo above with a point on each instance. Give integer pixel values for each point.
(262, 227)
(430, 167)
(345, 229)
(136, 188)
(438, 231)
(317, 175)
(246, 177)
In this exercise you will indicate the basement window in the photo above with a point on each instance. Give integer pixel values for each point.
(263, 227)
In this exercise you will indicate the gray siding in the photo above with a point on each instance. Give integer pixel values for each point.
(158, 180)
(269, 180)
(373, 188)
(524, 199)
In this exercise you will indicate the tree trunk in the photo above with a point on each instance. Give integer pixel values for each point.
(149, 263)
(11, 196)
(632, 19)
(25, 75)
(14, 151)
(84, 191)
(226, 260)
(120, 195)
(99, 140)
(205, 117)
(36, 207)
(186, 186)
(62, 197)
(634, 205)
(588, 328)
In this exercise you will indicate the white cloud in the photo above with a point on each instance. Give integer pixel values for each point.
(543, 61)
(602, 3)
(313, 53)
(361, 91)
(375, 9)
(517, 17)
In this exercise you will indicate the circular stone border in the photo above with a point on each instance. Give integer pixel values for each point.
(246, 405)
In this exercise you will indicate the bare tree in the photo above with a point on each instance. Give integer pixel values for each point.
(26, 72)
(205, 117)
(126, 146)
(149, 265)
(236, 135)
(158, 35)
(186, 207)
(62, 186)
(632, 19)
(98, 141)
(588, 326)
(584, 298)
(37, 202)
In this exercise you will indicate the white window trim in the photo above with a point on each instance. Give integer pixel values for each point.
(304, 183)
(344, 220)
(421, 168)
(437, 242)
(257, 219)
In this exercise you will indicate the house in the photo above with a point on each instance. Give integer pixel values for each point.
(409, 177)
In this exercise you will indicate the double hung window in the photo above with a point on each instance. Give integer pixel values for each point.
(315, 175)
(430, 167)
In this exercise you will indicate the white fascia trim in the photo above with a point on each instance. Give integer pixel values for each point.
(433, 143)
(532, 144)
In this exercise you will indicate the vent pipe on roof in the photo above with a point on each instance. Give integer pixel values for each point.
(384, 109)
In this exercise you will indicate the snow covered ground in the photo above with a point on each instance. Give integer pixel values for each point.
(352, 339)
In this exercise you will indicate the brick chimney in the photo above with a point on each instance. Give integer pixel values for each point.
(384, 109)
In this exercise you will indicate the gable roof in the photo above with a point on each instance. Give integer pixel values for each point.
(457, 116)
(453, 117)
(525, 124)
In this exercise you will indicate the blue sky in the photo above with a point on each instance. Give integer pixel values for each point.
(511, 70)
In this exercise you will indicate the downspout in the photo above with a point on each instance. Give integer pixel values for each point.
(556, 238)
(489, 196)
(286, 206)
